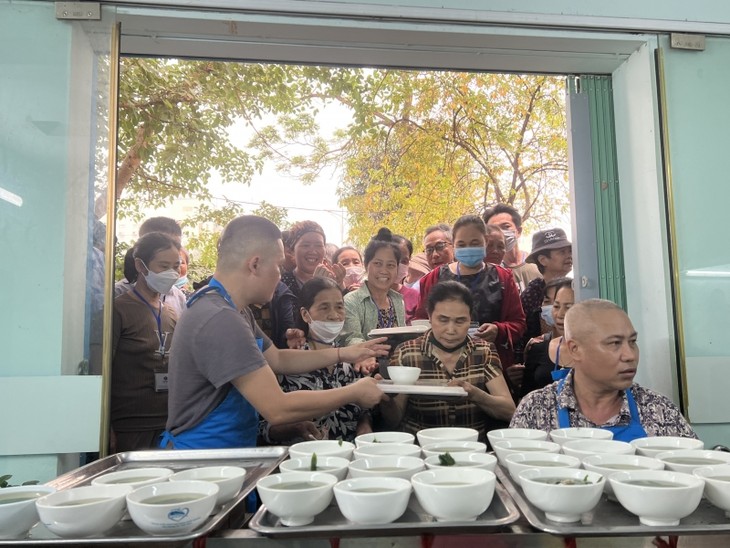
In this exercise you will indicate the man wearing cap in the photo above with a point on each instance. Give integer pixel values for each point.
(553, 255)
(509, 220)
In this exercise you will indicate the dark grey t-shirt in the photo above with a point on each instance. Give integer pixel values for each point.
(213, 345)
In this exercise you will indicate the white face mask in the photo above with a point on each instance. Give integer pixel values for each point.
(402, 272)
(326, 332)
(161, 282)
(546, 313)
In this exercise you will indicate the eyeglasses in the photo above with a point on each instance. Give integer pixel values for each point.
(438, 248)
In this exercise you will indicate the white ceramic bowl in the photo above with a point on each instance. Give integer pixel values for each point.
(229, 479)
(329, 448)
(717, 485)
(386, 467)
(608, 464)
(172, 508)
(400, 374)
(454, 494)
(453, 447)
(517, 462)
(134, 477)
(686, 460)
(561, 435)
(297, 506)
(373, 500)
(485, 461)
(446, 433)
(562, 503)
(520, 445)
(83, 511)
(337, 466)
(18, 512)
(585, 448)
(502, 434)
(384, 437)
(657, 506)
(387, 449)
(652, 446)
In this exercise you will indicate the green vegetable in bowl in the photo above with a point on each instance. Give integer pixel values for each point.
(313, 463)
(339, 441)
(445, 459)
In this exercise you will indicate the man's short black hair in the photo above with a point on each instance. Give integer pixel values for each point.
(503, 208)
(166, 225)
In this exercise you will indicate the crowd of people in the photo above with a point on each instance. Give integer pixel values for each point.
(275, 347)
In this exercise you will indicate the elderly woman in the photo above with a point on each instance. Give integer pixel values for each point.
(141, 337)
(546, 357)
(321, 316)
(375, 304)
(350, 259)
(448, 354)
(410, 295)
(497, 310)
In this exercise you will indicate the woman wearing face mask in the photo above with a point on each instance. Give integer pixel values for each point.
(350, 259)
(322, 316)
(497, 310)
(141, 338)
(546, 359)
(410, 295)
(375, 304)
(447, 354)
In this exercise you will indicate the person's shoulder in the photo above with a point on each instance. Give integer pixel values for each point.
(646, 396)
(536, 284)
(481, 345)
(395, 295)
(359, 294)
(410, 345)
(541, 396)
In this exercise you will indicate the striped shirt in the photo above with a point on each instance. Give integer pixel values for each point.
(478, 364)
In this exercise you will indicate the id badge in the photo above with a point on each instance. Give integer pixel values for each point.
(161, 381)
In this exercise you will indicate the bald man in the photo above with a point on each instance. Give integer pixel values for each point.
(221, 370)
(600, 391)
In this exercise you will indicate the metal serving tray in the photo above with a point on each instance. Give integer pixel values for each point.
(609, 518)
(332, 524)
(258, 462)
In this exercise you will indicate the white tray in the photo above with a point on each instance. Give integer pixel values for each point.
(405, 330)
(422, 390)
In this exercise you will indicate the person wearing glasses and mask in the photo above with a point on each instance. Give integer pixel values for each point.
(497, 311)
(141, 337)
(322, 316)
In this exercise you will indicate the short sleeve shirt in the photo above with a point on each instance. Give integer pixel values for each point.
(214, 344)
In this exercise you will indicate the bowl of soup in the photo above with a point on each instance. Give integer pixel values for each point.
(502, 434)
(229, 479)
(134, 477)
(18, 511)
(717, 485)
(401, 374)
(337, 466)
(373, 500)
(384, 437)
(454, 494)
(659, 498)
(172, 508)
(485, 461)
(387, 466)
(521, 445)
(446, 433)
(561, 435)
(652, 446)
(586, 447)
(388, 449)
(329, 448)
(562, 493)
(296, 497)
(83, 511)
(517, 462)
(686, 460)
(453, 447)
(608, 464)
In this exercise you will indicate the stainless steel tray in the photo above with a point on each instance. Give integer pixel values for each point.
(609, 518)
(258, 462)
(332, 524)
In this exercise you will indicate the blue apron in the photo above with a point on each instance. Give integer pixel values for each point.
(234, 423)
(627, 433)
(558, 372)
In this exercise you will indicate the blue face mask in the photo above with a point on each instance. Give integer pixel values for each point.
(470, 256)
(546, 313)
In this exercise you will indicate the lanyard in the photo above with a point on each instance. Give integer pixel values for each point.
(161, 336)
(213, 285)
